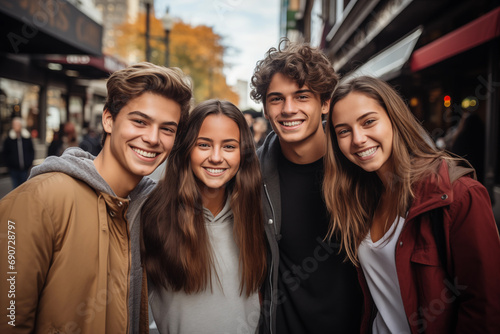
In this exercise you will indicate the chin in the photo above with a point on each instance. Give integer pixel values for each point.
(145, 172)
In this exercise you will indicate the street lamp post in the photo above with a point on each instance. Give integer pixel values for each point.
(168, 23)
(148, 46)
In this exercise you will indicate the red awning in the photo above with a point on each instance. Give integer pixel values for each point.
(464, 38)
(88, 66)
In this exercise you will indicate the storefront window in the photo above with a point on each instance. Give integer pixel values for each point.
(76, 112)
(56, 112)
(18, 99)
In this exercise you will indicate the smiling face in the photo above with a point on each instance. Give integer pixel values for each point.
(364, 132)
(215, 158)
(294, 112)
(140, 137)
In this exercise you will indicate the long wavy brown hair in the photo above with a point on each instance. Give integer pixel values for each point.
(351, 193)
(175, 247)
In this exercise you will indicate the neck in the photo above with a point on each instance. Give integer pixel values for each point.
(213, 199)
(120, 182)
(307, 151)
(386, 175)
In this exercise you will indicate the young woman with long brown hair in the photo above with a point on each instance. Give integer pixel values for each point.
(203, 237)
(389, 193)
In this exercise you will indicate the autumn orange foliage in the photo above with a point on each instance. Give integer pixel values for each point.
(197, 50)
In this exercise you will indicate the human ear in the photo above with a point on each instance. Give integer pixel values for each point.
(265, 113)
(325, 107)
(107, 121)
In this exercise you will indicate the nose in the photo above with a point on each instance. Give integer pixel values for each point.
(152, 136)
(358, 137)
(289, 107)
(215, 156)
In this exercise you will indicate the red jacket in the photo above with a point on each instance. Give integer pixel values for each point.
(433, 304)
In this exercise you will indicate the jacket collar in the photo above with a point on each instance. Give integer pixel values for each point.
(24, 134)
(432, 192)
(268, 155)
(437, 189)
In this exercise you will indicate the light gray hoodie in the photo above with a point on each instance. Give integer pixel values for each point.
(219, 309)
(79, 164)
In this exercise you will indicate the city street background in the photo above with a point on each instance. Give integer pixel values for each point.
(443, 57)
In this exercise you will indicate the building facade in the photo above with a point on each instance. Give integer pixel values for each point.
(442, 56)
(50, 58)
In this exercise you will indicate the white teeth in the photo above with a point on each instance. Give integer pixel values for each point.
(214, 171)
(292, 123)
(367, 152)
(145, 154)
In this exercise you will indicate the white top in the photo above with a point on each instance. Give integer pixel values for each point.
(378, 260)
(220, 311)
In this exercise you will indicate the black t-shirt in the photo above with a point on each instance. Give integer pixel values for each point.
(318, 292)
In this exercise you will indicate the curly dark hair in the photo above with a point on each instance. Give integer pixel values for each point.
(299, 61)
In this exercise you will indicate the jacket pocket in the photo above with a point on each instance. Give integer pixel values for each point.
(425, 256)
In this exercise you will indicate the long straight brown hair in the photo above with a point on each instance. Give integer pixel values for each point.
(175, 247)
(351, 193)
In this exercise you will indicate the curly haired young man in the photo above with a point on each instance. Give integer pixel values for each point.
(310, 288)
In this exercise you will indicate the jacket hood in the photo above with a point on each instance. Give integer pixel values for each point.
(436, 190)
(222, 216)
(78, 164)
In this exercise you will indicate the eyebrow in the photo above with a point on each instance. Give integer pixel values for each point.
(211, 140)
(300, 91)
(149, 118)
(357, 120)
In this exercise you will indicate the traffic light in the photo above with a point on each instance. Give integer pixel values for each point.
(447, 101)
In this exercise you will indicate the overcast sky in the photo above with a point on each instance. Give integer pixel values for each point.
(249, 27)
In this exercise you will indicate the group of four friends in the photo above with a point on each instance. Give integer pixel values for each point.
(346, 220)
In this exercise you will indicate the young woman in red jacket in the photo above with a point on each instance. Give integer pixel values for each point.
(395, 200)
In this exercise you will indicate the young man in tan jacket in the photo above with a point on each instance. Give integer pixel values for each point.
(69, 249)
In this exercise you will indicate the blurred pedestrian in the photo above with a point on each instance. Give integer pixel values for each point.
(259, 131)
(66, 137)
(203, 232)
(91, 142)
(303, 294)
(77, 256)
(55, 146)
(412, 217)
(249, 117)
(70, 138)
(18, 152)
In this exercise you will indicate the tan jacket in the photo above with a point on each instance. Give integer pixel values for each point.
(65, 249)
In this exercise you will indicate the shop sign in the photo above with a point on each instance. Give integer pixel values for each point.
(57, 18)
